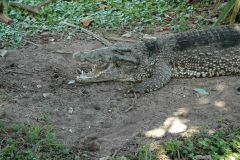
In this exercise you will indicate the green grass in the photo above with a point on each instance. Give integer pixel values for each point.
(35, 142)
(219, 145)
(139, 14)
(39, 142)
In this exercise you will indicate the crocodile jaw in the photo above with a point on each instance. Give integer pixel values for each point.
(96, 72)
(119, 71)
(119, 64)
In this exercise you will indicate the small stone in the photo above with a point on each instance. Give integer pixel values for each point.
(39, 86)
(55, 75)
(3, 53)
(84, 92)
(238, 89)
(97, 108)
(25, 87)
(119, 89)
(70, 130)
(70, 110)
(12, 64)
(47, 95)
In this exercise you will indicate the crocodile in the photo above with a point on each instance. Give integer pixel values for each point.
(197, 53)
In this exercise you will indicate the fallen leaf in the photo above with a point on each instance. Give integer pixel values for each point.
(147, 36)
(202, 91)
(104, 7)
(167, 16)
(71, 82)
(3, 53)
(165, 28)
(86, 21)
(127, 35)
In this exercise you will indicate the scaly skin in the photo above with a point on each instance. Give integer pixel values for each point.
(198, 53)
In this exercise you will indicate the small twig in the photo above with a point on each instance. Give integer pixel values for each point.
(75, 92)
(134, 100)
(103, 40)
(61, 52)
(32, 43)
(8, 71)
(43, 3)
(2, 70)
(24, 7)
(178, 154)
(208, 157)
(115, 152)
(123, 40)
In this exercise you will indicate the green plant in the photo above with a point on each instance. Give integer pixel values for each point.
(4, 97)
(5, 4)
(4, 113)
(232, 5)
(141, 14)
(172, 147)
(219, 145)
(144, 152)
(35, 142)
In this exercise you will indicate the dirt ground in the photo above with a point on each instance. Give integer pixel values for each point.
(100, 117)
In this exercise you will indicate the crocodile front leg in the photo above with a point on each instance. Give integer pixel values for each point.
(162, 74)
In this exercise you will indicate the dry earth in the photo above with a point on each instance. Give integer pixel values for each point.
(100, 117)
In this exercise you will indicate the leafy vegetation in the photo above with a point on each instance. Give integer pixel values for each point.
(116, 13)
(219, 145)
(232, 5)
(5, 3)
(39, 142)
(20, 142)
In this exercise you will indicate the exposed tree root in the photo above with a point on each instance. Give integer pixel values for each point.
(32, 10)
(3, 17)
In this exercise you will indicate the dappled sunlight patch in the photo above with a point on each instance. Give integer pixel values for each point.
(203, 100)
(220, 105)
(175, 125)
(231, 158)
(211, 131)
(181, 111)
(220, 86)
(155, 133)
(171, 124)
(190, 130)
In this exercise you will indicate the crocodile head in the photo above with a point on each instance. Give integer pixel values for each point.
(119, 62)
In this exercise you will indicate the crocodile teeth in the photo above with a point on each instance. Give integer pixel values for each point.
(96, 71)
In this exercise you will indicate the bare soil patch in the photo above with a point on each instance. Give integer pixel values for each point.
(100, 117)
